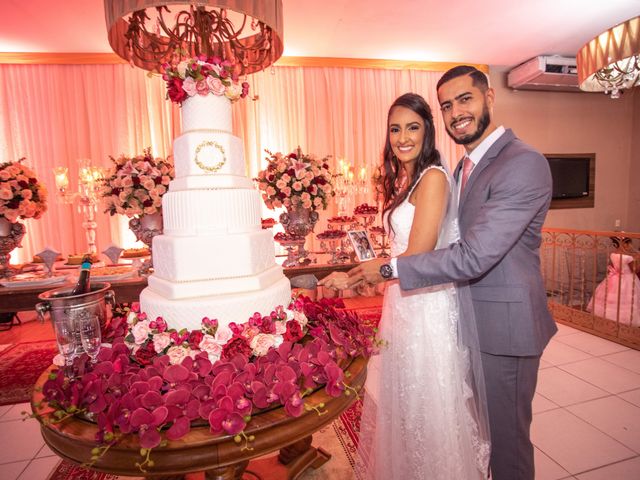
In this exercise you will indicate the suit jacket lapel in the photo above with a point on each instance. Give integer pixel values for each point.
(484, 162)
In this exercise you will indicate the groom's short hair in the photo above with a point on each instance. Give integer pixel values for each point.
(479, 79)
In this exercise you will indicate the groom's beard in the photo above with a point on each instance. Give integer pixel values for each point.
(483, 123)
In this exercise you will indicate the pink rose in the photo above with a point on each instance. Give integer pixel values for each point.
(215, 85)
(281, 327)
(261, 343)
(297, 186)
(161, 341)
(141, 332)
(189, 86)
(223, 334)
(211, 347)
(202, 88)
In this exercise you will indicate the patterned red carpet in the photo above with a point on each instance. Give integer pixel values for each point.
(20, 367)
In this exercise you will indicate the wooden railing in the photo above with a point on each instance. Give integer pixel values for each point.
(592, 281)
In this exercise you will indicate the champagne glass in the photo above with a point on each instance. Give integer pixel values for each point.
(91, 336)
(66, 340)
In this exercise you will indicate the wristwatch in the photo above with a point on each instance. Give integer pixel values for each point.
(386, 271)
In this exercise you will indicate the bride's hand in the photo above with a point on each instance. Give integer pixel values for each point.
(335, 281)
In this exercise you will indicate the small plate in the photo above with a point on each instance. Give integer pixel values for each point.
(33, 281)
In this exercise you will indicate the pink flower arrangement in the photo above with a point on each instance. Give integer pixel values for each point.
(296, 179)
(201, 76)
(21, 194)
(153, 382)
(136, 185)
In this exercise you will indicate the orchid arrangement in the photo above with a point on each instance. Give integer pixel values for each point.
(21, 194)
(203, 75)
(296, 179)
(153, 381)
(135, 186)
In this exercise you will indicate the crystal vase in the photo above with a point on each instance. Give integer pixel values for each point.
(145, 227)
(10, 237)
(299, 221)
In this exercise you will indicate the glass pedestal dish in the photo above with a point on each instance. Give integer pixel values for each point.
(329, 241)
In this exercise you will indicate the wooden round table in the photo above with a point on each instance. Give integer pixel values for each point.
(218, 456)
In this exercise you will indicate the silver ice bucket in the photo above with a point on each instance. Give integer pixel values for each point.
(61, 305)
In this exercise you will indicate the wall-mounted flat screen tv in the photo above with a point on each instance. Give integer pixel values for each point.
(572, 175)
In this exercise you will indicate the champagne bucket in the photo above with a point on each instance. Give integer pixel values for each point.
(61, 306)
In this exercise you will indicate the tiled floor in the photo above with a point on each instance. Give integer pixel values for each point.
(586, 416)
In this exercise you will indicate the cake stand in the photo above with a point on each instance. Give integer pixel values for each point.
(294, 244)
(329, 240)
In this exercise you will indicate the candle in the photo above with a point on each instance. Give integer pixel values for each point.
(62, 181)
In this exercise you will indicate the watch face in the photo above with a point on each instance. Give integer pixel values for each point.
(386, 271)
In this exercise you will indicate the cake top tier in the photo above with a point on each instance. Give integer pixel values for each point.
(204, 86)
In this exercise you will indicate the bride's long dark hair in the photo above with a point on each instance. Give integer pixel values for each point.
(394, 192)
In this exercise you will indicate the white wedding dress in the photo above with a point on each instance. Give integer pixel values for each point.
(420, 416)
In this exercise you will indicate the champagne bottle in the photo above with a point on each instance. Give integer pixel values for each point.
(84, 284)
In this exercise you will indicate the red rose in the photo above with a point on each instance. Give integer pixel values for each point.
(237, 345)
(145, 354)
(195, 338)
(294, 331)
(175, 91)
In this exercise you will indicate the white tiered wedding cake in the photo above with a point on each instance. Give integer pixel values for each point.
(213, 259)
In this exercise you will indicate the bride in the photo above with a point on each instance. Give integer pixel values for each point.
(424, 413)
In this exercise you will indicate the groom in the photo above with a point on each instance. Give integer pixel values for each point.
(504, 189)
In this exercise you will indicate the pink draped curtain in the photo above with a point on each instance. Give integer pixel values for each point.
(56, 114)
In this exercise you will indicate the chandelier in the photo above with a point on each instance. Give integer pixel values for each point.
(611, 61)
(149, 33)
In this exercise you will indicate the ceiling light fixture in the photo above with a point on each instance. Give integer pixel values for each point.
(611, 61)
(246, 32)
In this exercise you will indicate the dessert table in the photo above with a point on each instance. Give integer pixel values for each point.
(217, 455)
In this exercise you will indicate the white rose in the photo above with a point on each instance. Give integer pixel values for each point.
(177, 354)
(182, 69)
(131, 318)
(233, 91)
(301, 318)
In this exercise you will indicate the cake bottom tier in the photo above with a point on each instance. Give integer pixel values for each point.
(238, 307)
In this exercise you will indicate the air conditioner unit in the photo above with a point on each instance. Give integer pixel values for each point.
(546, 72)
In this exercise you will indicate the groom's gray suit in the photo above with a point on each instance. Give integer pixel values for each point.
(501, 212)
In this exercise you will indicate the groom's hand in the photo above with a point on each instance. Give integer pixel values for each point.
(367, 272)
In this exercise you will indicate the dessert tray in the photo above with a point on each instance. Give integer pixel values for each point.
(33, 280)
(135, 253)
(112, 272)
